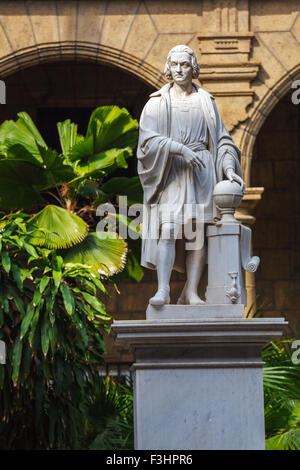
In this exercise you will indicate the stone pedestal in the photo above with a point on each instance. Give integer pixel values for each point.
(198, 382)
(224, 265)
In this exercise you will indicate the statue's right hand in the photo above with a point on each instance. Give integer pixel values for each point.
(192, 159)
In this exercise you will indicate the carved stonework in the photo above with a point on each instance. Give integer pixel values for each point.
(227, 72)
(249, 202)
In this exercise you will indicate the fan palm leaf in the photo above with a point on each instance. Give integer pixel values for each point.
(99, 161)
(112, 127)
(104, 252)
(27, 163)
(68, 136)
(21, 140)
(110, 137)
(55, 227)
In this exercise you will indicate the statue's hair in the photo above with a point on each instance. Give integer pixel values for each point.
(188, 50)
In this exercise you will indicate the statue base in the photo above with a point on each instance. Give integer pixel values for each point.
(194, 312)
(198, 382)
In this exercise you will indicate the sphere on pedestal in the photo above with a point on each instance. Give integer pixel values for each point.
(227, 194)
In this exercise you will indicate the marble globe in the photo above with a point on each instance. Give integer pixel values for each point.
(227, 194)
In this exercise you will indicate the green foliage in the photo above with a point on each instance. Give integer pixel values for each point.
(54, 227)
(281, 378)
(111, 134)
(52, 315)
(52, 319)
(27, 161)
(73, 178)
(282, 397)
(130, 187)
(110, 417)
(101, 251)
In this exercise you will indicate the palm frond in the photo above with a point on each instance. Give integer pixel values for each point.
(55, 227)
(111, 135)
(20, 140)
(111, 415)
(68, 136)
(281, 396)
(104, 252)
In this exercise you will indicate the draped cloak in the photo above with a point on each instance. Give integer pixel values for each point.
(155, 160)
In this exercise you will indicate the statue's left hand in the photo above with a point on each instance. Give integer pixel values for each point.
(232, 176)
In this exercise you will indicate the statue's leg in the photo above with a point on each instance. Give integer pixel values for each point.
(165, 262)
(195, 264)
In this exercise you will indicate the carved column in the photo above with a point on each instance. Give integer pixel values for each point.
(226, 67)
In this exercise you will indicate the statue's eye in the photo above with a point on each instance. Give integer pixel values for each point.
(173, 64)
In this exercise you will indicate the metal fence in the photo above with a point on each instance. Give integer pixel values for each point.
(117, 370)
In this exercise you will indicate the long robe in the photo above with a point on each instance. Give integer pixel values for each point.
(155, 159)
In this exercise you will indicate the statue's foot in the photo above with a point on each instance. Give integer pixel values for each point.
(193, 299)
(161, 297)
(181, 300)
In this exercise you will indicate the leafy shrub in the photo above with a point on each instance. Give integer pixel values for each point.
(110, 416)
(51, 319)
(282, 397)
(52, 312)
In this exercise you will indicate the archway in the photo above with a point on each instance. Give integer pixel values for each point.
(261, 112)
(276, 237)
(56, 90)
(82, 51)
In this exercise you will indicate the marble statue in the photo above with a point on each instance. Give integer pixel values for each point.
(184, 150)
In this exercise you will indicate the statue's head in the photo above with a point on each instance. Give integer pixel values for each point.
(181, 64)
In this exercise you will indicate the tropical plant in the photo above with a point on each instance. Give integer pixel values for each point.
(52, 314)
(70, 180)
(281, 379)
(282, 397)
(110, 416)
(52, 319)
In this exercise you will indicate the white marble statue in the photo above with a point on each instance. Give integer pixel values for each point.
(184, 150)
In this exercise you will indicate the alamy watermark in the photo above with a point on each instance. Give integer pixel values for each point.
(296, 93)
(2, 92)
(157, 221)
(296, 354)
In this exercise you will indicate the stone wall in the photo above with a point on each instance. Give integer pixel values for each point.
(249, 51)
(276, 166)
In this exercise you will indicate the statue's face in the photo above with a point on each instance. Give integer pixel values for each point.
(181, 68)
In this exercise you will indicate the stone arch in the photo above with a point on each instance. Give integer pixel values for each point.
(260, 114)
(80, 50)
